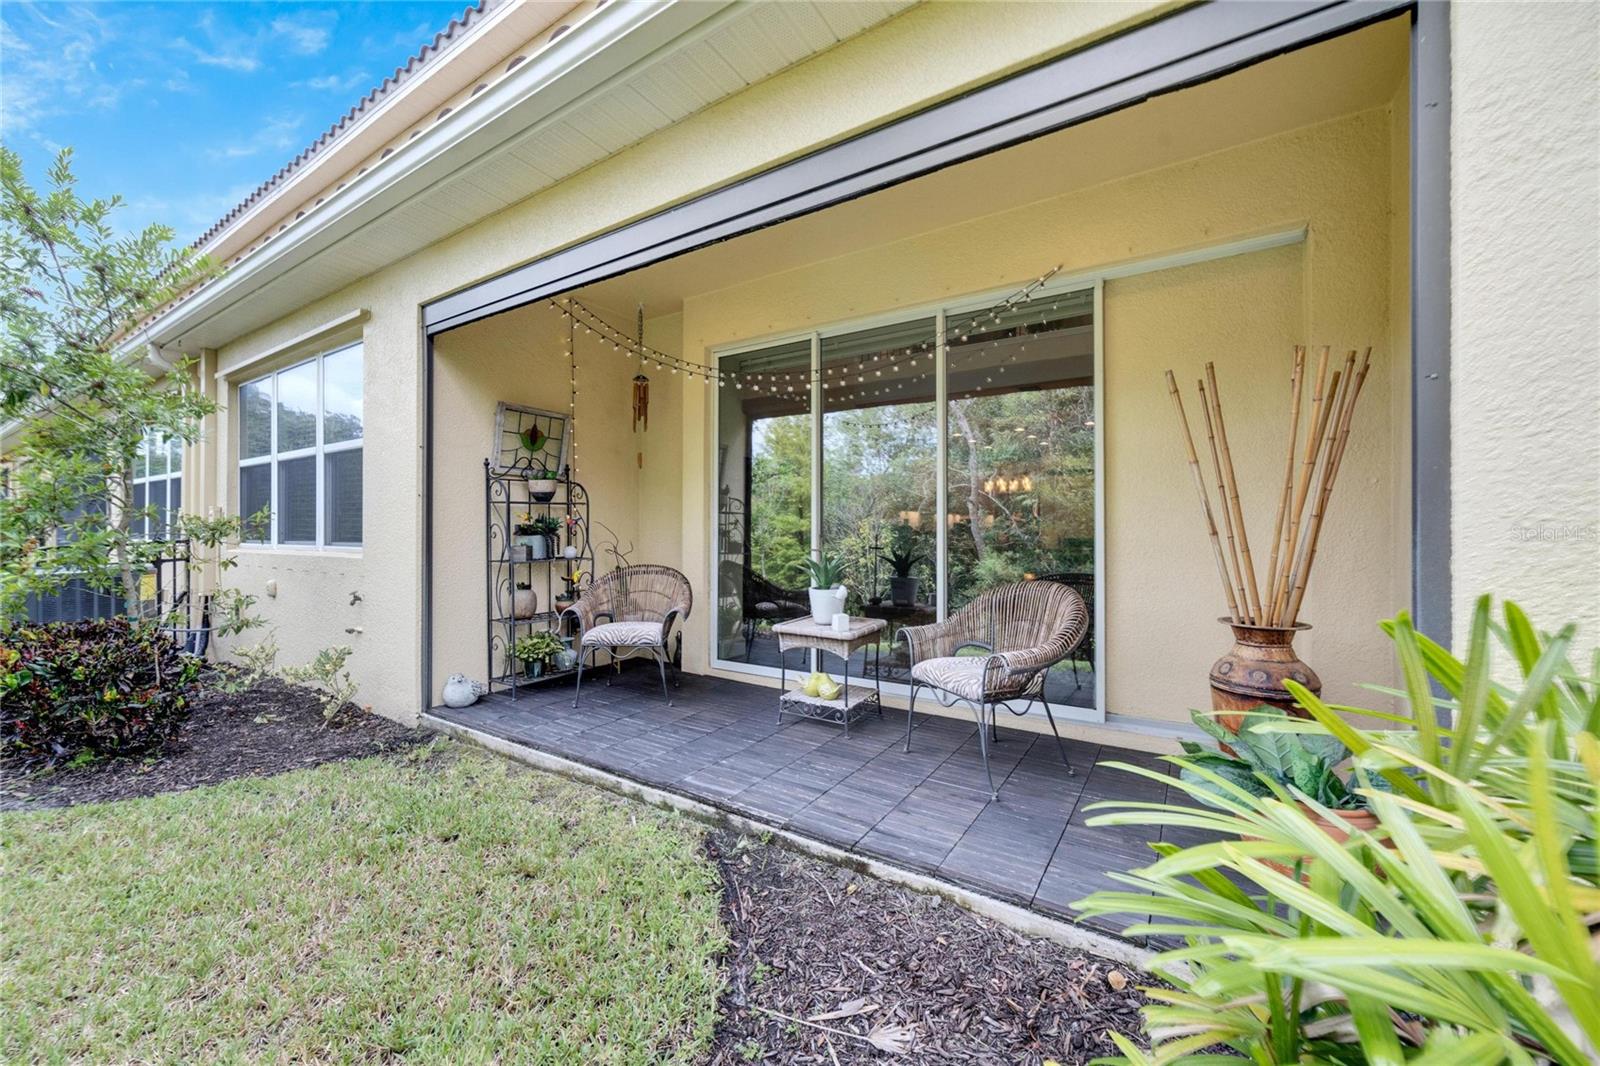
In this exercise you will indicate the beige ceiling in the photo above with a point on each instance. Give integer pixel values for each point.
(1348, 74)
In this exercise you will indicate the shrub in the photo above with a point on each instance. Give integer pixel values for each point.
(1460, 928)
(78, 690)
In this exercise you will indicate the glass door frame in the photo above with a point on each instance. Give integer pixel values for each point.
(940, 311)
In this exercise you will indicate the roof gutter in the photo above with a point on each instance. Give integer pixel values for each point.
(607, 44)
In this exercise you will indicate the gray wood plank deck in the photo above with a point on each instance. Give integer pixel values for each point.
(926, 810)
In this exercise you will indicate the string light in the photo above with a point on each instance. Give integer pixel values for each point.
(580, 316)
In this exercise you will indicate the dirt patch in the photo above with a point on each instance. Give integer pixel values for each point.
(810, 939)
(271, 728)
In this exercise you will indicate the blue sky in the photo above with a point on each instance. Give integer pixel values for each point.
(184, 108)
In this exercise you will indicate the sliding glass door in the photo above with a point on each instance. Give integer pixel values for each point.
(763, 532)
(880, 459)
(1021, 458)
(835, 441)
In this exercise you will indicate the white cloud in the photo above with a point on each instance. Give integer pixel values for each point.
(301, 34)
(279, 134)
(189, 215)
(230, 48)
(54, 66)
(227, 50)
(333, 83)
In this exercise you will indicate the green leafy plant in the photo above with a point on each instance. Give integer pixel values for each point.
(543, 525)
(326, 674)
(1270, 748)
(1459, 928)
(74, 378)
(540, 646)
(825, 572)
(86, 690)
(904, 552)
(251, 663)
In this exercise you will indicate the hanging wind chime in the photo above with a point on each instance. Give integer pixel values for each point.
(641, 390)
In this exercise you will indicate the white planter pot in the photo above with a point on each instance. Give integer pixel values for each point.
(541, 490)
(825, 603)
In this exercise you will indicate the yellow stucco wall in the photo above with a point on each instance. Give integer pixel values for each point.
(892, 69)
(519, 358)
(1244, 312)
(1525, 336)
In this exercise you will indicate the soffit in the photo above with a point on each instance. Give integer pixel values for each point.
(723, 50)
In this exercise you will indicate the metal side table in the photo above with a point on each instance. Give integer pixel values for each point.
(812, 636)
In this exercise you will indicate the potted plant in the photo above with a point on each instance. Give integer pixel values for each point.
(827, 587)
(541, 486)
(536, 533)
(569, 592)
(1256, 755)
(524, 601)
(903, 556)
(534, 650)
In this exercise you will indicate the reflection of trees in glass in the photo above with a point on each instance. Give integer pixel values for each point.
(337, 426)
(878, 465)
(877, 469)
(255, 420)
(780, 494)
(1021, 486)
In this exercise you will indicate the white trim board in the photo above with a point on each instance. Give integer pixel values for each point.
(327, 331)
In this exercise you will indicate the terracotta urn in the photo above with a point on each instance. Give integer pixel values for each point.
(1254, 670)
(1339, 828)
(1345, 822)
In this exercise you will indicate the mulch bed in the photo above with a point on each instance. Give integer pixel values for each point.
(271, 728)
(810, 939)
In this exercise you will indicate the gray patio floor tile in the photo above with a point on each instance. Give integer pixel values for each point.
(927, 810)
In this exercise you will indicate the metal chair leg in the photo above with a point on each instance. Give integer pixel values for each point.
(1059, 745)
(578, 689)
(983, 748)
(911, 710)
(661, 664)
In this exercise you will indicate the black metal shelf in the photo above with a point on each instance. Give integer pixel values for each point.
(507, 502)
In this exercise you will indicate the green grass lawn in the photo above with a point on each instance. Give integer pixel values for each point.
(448, 906)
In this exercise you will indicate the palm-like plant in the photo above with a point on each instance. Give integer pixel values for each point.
(826, 571)
(904, 553)
(1461, 929)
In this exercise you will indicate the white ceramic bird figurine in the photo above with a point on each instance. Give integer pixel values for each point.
(459, 691)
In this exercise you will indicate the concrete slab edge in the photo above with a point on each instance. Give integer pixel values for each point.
(1020, 919)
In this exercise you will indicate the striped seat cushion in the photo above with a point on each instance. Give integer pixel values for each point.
(962, 675)
(623, 635)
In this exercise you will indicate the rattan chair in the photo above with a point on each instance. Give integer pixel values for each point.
(1026, 628)
(638, 606)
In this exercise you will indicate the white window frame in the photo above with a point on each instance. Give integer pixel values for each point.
(147, 478)
(317, 452)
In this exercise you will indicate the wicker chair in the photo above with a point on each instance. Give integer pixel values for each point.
(1026, 628)
(631, 611)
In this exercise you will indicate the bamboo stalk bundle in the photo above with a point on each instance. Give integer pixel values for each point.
(1286, 492)
(1200, 487)
(1308, 463)
(1317, 442)
(1233, 494)
(1222, 502)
